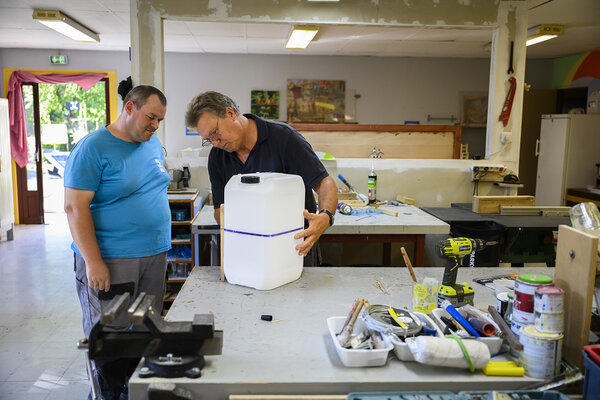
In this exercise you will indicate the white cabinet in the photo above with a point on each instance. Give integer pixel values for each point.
(7, 215)
(568, 150)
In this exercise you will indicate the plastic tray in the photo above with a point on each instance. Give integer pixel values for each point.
(401, 349)
(352, 357)
(591, 383)
(533, 395)
(402, 396)
(494, 343)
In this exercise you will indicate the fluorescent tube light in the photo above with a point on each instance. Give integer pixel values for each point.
(61, 23)
(543, 32)
(301, 36)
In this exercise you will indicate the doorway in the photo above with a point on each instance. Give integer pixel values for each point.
(57, 117)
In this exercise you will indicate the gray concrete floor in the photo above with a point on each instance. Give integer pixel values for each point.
(40, 317)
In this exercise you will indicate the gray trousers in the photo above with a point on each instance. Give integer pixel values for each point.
(132, 275)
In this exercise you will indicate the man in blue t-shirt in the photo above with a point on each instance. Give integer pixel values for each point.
(118, 212)
(246, 143)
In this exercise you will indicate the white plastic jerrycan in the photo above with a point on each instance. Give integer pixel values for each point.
(263, 212)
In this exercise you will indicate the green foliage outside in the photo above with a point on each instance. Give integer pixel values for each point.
(87, 117)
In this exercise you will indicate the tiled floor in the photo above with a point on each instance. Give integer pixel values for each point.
(40, 318)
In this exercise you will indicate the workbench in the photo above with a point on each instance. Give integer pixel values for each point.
(295, 354)
(410, 226)
(523, 238)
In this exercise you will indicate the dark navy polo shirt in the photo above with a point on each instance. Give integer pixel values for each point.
(278, 148)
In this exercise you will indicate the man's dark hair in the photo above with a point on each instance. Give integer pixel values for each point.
(211, 102)
(140, 94)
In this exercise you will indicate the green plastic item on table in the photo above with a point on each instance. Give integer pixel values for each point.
(537, 279)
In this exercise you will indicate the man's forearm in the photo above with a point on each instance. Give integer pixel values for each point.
(81, 225)
(327, 192)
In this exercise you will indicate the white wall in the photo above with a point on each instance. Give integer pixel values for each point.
(392, 89)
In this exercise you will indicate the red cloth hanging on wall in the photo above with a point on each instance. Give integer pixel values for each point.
(16, 112)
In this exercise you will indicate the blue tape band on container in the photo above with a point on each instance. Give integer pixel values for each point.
(261, 235)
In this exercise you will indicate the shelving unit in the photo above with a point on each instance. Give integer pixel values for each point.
(184, 206)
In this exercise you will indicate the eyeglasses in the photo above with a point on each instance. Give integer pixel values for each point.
(212, 137)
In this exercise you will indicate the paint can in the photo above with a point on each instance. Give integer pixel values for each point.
(542, 352)
(515, 327)
(549, 299)
(525, 286)
(502, 303)
(550, 322)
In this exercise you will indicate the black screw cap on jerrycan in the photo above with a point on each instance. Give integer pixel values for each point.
(250, 179)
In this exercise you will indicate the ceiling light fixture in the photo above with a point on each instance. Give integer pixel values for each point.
(543, 32)
(61, 23)
(301, 36)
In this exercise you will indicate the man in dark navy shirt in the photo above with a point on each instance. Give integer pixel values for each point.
(246, 143)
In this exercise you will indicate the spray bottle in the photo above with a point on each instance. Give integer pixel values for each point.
(372, 185)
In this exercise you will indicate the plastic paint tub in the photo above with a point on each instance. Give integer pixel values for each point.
(525, 287)
(549, 299)
(550, 322)
(515, 327)
(542, 352)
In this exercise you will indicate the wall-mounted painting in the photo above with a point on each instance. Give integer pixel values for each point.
(473, 109)
(315, 101)
(265, 103)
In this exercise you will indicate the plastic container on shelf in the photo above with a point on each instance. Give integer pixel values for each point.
(401, 349)
(494, 343)
(263, 212)
(355, 357)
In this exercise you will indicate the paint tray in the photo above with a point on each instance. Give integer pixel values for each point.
(494, 343)
(353, 357)
(401, 348)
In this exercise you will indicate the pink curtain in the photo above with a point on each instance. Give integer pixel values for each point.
(16, 112)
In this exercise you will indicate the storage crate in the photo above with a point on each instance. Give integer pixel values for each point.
(402, 396)
(591, 384)
(516, 394)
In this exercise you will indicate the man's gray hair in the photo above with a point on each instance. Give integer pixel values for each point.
(211, 102)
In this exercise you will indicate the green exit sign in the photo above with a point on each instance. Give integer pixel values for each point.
(58, 60)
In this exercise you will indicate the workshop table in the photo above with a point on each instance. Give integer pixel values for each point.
(410, 226)
(295, 354)
(525, 238)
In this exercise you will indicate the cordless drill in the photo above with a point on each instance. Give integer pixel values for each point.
(454, 249)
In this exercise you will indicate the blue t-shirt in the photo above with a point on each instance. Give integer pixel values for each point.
(278, 148)
(130, 206)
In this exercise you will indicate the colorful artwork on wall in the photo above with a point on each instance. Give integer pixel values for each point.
(315, 101)
(265, 103)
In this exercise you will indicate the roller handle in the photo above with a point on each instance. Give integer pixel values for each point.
(510, 336)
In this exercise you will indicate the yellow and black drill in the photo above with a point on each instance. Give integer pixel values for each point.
(454, 249)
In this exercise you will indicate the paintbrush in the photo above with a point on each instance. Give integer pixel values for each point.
(408, 264)
(350, 314)
(344, 336)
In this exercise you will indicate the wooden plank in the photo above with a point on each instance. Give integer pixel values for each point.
(575, 274)
(492, 204)
(556, 211)
(396, 141)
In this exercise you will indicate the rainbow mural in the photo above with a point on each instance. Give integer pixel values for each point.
(577, 71)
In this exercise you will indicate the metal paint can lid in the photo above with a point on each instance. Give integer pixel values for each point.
(549, 290)
(535, 279)
(532, 332)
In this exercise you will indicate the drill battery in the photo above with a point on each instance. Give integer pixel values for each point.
(458, 294)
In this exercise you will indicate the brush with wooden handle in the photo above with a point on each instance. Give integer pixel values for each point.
(408, 264)
(344, 336)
